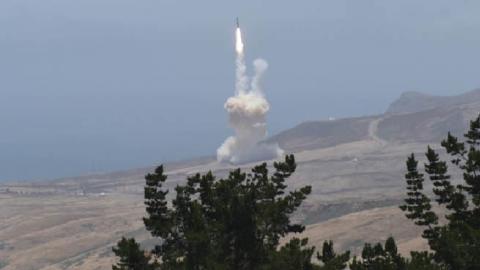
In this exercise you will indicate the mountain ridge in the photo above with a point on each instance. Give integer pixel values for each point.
(430, 116)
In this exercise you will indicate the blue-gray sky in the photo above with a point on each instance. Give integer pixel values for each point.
(101, 85)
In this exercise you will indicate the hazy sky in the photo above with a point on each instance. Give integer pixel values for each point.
(100, 85)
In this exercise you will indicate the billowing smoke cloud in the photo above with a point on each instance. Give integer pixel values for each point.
(247, 116)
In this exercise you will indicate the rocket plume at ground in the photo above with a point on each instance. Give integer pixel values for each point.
(247, 115)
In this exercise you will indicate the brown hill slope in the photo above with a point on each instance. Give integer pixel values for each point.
(413, 117)
(322, 134)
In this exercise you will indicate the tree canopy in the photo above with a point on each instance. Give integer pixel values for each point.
(227, 223)
(455, 244)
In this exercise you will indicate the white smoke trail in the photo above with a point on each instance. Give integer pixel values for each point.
(260, 66)
(241, 83)
(247, 116)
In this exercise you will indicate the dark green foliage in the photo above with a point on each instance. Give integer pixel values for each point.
(380, 257)
(455, 244)
(295, 255)
(331, 260)
(131, 257)
(436, 171)
(422, 261)
(231, 223)
(156, 203)
(386, 257)
(417, 205)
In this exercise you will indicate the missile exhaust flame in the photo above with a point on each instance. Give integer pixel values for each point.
(238, 41)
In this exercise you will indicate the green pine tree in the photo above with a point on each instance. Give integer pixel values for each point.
(331, 260)
(417, 205)
(455, 244)
(229, 223)
(378, 257)
(131, 257)
(295, 255)
(422, 261)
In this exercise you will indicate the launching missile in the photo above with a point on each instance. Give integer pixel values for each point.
(238, 39)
